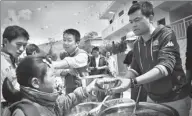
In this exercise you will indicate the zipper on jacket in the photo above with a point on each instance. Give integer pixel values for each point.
(146, 54)
(140, 55)
(145, 50)
(151, 49)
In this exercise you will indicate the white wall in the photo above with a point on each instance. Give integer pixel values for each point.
(124, 7)
(117, 24)
(159, 14)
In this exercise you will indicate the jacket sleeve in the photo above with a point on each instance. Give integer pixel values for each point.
(18, 112)
(169, 51)
(66, 102)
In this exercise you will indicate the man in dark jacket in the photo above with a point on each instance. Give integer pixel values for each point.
(156, 63)
(189, 55)
(98, 65)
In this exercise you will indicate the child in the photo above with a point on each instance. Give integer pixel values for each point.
(37, 84)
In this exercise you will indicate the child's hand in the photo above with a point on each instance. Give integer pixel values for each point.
(91, 87)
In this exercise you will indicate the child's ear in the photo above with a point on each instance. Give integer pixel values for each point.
(35, 82)
(151, 18)
(34, 53)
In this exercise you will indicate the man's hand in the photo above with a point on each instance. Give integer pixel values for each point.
(102, 67)
(91, 68)
(125, 84)
(91, 88)
(98, 68)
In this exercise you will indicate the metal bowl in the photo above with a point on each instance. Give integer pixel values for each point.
(117, 101)
(104, 83)
(144, 109)
(82, 108)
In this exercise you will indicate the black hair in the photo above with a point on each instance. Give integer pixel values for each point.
(73, 32)
(133, 2)
(95, 48)
(31, 48)
(29, 67)
(12, 32)
(145, 7)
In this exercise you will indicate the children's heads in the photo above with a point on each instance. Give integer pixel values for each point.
(35, 72)
(71, 39)
(15, 40)
(32, 49)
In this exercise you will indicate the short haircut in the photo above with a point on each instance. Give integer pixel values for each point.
(73, 32)
(145, 7)
(31, 48)
(13, 32)
(29, 67)
(96, 49)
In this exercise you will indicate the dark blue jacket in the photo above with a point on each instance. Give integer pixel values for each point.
(161, 49)
(189, 48)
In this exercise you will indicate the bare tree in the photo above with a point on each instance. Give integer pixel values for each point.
(85, 42)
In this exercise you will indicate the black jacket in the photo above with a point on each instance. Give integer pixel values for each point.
(161, 49)
(102, 62)
(128, 58)
(189, 48)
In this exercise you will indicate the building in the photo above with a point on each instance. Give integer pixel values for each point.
(97, 41)
(177, 14)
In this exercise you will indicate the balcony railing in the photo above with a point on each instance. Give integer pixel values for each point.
(180, 26)
(116, 25)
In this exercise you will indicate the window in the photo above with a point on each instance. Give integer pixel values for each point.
(111, 21)
(121, 13)
(161, 21)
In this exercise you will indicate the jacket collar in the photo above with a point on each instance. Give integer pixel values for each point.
(74, 52)
(9, 58)
(42, 98)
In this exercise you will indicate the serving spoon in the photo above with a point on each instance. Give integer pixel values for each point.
(96, 110)
(137, 101)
